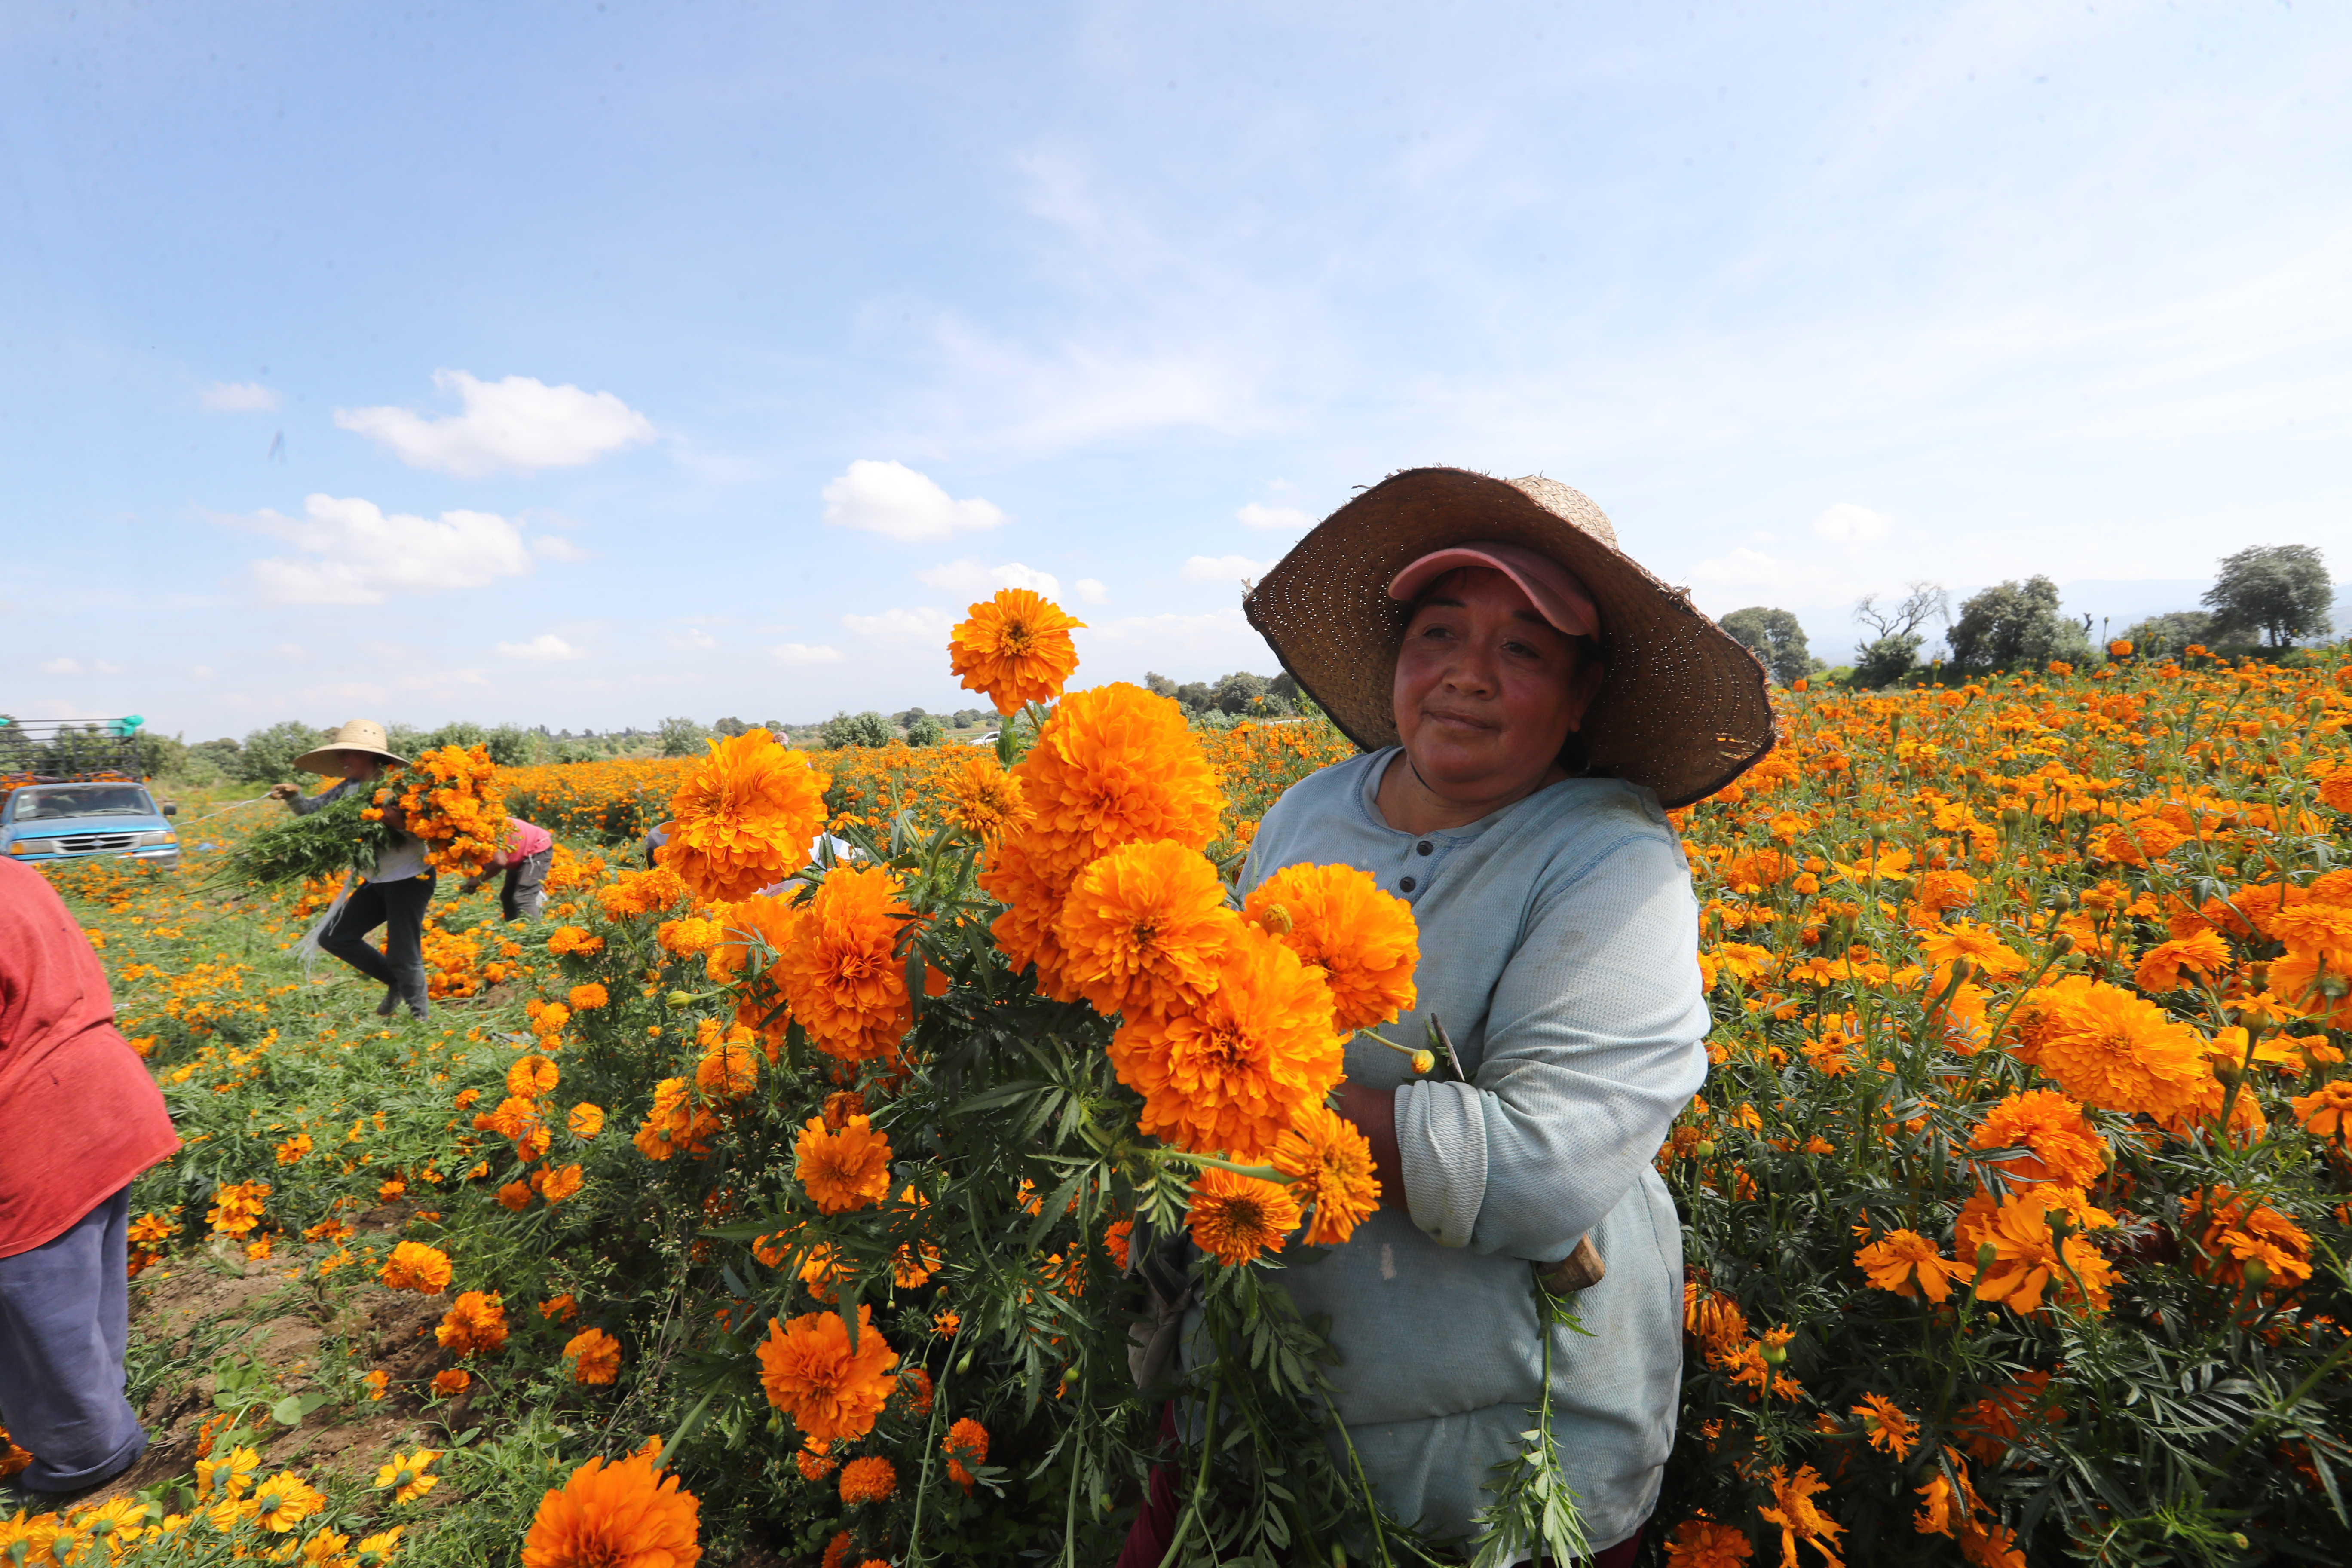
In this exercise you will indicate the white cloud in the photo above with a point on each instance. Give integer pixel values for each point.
(362, 555)
(970, 580)
(1220, 640)
(60, 667)
(544, 649)
(694, 638)
(1284, 519)
(105, 668)
(925, 621)
(237, 397)
(893, 500)
(519, 423)
(1846, 523)
(1224, 569)
(555, 547)
(1092, 591)
(807, 653)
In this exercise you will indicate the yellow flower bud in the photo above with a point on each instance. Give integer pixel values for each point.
(1424, 1061)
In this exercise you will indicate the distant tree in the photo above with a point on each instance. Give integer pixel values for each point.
(1198, 696)
(729, 727)
(680, 738)
(1776, 636)
(1894, 651)
(511, 746)
(924, 730)
(1285, 686)
(866, 729)
(1237, 692)
(2165, 635)
(162, 754)
(460, 733)
(221, 754)
(775, 727)
(2282, 590)
(2012, 624)
(268, 756)
(1156, 682)
(968, 718)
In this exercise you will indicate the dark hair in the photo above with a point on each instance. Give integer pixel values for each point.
(1574, 759)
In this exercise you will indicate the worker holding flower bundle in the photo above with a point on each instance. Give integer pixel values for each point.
(395, 894)
(1529, 700)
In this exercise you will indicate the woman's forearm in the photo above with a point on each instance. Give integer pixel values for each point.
(1373, 1112)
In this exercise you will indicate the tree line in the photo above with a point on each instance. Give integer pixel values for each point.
(2270, 596)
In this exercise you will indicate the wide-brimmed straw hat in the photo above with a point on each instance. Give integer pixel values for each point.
(359, 735)
(1682, 710)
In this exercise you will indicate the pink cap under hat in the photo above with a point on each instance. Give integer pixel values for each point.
(1554, 590)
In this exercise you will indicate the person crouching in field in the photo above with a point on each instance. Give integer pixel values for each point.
(396, 895)
(80, 1117)
(524, 854)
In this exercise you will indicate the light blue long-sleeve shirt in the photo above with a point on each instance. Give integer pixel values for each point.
(1558, 945)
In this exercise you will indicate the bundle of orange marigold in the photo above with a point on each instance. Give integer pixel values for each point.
(450, 798)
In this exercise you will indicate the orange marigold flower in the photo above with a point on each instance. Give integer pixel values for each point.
(2248, 1243)
(616, 1515)
(1800, 1520)
(1714, 1319)
(846, 1170)
(453, 1382)
(1909, 1264)
(414, 1266)
(836, 1551)
(377, 1383)
(1888, 1427)
(587, 997)
(532, 1076)
(1143, 928)
(813, 1462)
(841, 973)
(966, 1447)
(560, 1307)
(1115, 1240)
(574, 939)
(984, 800)
(515, 1196)
(1704, 1543)
(690, 937)
(2112, 1049)
(871, 1479)
(1014, 649)
(1994, 1422)
(1330, 1162)
(2327, 1111)
(744, 819)
(2063, 1146)
(730, 1068)
(475, 1325)
(594, 1355)
(1235, 1217)
(1233, 1072)
(561, 1184)
(1115, 765)
(2200, 953)
(1340, 920)
(586, 1120)
(811, 1373)
(2028, 1257)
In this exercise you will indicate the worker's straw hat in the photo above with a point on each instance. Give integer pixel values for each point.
(1682, 710)
(359, 735)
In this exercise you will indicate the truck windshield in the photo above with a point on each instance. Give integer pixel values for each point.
(82, 800)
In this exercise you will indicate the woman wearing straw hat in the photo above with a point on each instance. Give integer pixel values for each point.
(1529, 700)
(395, 895)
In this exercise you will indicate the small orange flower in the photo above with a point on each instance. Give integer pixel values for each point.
(594, 1355)
(615, 1515)
(1330, 1162)
(587, 1121)
(475, 1325)
(455, 1381)
(414, 1266)
(1340, 920)
(811, 1373)
(967, 1450)
(744, 819)
(1234, 1217)
(843, 1171)
(1014, 649)
(868, 1480)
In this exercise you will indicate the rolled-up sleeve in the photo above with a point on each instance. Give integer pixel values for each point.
(1594, 1041)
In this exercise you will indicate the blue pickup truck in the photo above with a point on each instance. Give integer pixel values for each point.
(72, 790)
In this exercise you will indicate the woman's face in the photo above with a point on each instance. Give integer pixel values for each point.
(360, 765)
(1486, 689)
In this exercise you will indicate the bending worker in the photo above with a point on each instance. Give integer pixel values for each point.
(525, 852)
(79, 1116)
(400, 891)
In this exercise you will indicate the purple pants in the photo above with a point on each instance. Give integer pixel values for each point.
(65, 1321)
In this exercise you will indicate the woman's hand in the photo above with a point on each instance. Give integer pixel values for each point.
(1373, 1112)
(284, 791)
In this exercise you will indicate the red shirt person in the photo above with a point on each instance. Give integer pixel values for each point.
(525, 852)
(80, 1117)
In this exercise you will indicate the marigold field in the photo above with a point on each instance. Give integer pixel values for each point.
(702, 1225)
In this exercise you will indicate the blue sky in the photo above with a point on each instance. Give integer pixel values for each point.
(587, 363)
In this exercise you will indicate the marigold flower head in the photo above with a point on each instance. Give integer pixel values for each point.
(594, 1355)
(690, 937)
(730, 1068)
(1330, 1162)
(475, 1325)
(966, 1446)
(1117, 1238)
(2240, 1234)
(559, 1183)
(1362, 938)
(871, 1479)
(1712, 1319)
(573, 939)
(1994, 1422)
(414, 1266)
(1234, 1217)
(841, 973)
(1704, 1543)
(2112, 1049)
(2200, 953)
(744, 818)
(1230, 1074)
(1909, 1264)
(846, 1170)
(1015, 649)
(615, 1515)
(1116, 764)
(984, 800)
(1143, 928)
(1800, 1520)
(811, 1373)
(587, 1121)
(588, 997)
(530, 1077)
(2063, 1146)
(2029, 1259)
(1887, 1427)
(452, 1381)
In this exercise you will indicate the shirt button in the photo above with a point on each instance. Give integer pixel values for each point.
(1425, 847)
(1406, 883)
